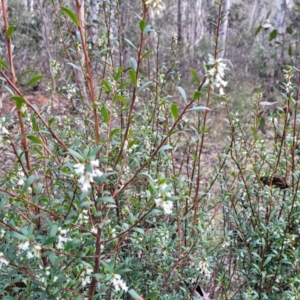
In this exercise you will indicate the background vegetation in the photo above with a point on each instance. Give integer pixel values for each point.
(134, 162)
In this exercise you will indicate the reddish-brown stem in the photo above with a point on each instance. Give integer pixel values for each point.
(89, 73)
(139, 59)
(196, 197)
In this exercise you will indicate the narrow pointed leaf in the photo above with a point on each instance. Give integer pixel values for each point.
(19, 101)
(165, 147)
(200, 107)
(175, 111)
(34, 139)
(10, 30)
(105, 114)
(142, 25)
(183, 93)
(195, 76)
(18, 236)
(34, 79)
(29, 182)
(70, 14)
(132, 76)
(133, 64)
(76, 154)
(141, 88)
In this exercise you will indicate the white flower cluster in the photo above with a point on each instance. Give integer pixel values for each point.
(3, 261)
(44, 275)
(156, 5)
(2, 231)
(86, 178)
(55, 66)
(288, 78)
(62, 238)
(166, 205)
(203, 267)
(85, 276)
(83, 217)
(216, 73)
(119, 283)
(175, 38)
(34, 252)
(70, 90)
(3, 131)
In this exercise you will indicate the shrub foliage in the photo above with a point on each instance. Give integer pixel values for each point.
(119, 188)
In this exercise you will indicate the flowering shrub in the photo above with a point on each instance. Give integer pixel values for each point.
(119, 200)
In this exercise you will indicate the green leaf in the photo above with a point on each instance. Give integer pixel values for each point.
(200, 107)
(258, 29)
(142, 25)
(18, 236)
(289, 30)
(108, 199)
(165, 147)
(268, 259)
(197, 95)
(75, 66)
(53, 230)
(290, 51)
(267, 103)
(76, 154)
(130, 44)
(175, 111)
(86, 203)
(195, 76)
(114, 131)
(106, 86)
(132, 76)
(29, 182)
(133, 64)
(152, 296)
(51, 121)
(139, 230)
(10, 31)
(273, 35)
(118, 73)
(3, 64)
(49, 241)
(262, 125)
(71, 244)
(38, 151)
(147, 29)
(120, 99)
(105, 114)
(34, 79)
(34, 139)
(19, 101)
(141, 88)
(52, 257)
(25, 73)
(3, 202)
(24, 231)
(134, 295)
(146, 54)
(94, 152)
(35, 125)
(71, 14)
(132, 143)
(182, 92)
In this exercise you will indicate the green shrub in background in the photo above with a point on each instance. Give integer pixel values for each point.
(129, 197)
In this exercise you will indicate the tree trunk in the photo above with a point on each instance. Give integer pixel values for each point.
(280, 27)
(179, 23)
(92, 17)
(224, 27)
